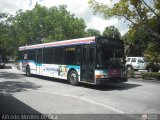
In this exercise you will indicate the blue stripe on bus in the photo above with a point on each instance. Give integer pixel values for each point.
(73, 66)
(31, 61)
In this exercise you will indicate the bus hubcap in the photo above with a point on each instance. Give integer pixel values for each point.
(73, 77)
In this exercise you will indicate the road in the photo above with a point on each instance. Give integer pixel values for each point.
(42, 95)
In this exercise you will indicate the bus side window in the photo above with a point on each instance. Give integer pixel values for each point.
(25, 56)
(39, 56)
(72, 55)
(48, 55)
(58, 55)
(31, 55)
(20, 55)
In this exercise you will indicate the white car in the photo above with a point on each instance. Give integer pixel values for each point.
(136, 63)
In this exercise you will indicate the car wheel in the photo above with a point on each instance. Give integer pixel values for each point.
(129, 68)
(73, 78)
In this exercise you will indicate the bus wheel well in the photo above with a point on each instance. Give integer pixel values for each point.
(73, 77)
(69, 72)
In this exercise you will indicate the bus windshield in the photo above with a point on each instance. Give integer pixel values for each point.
(109, 57)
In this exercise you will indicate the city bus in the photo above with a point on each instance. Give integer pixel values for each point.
(91, 60)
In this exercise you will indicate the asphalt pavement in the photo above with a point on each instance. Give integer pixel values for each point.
(56, 99)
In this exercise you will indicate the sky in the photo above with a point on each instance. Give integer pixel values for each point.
(80, 8)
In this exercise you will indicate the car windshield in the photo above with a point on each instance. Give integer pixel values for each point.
(109, 57)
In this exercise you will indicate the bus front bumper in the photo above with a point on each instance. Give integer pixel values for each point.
(111, 80)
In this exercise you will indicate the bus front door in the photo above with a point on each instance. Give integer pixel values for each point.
(39, 62)
(88, 64)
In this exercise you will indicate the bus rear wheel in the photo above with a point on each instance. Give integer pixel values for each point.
(73, 78)
(28, 72)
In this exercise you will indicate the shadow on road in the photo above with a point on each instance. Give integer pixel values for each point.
(10, 83)
(111, 87)
(107, 87)
(8, 75)
(10, 87)
(12, 108)
(11, 105)
(51, 79)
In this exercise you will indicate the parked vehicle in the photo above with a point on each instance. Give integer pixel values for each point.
(140, 63)
(136, 63)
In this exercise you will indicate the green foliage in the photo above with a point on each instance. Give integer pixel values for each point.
(138, 12)
(112, 32)
(136, 41)
(144, 19)
(151, 75)
(41, 24)
(6, 45)
(92, 32)
(152, 52)
(130, 73)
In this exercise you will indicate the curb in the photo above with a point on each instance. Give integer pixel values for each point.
(144, 80)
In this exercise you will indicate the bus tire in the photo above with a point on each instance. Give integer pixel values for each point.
(28, 71)
(73, 78)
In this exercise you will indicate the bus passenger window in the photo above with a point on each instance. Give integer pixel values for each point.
(25, 56)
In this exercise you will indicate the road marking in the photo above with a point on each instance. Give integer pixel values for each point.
(84, 99)
(92, 102)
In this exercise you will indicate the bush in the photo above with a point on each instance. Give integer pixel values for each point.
(151, 67)
(130, 73)
(150, 75)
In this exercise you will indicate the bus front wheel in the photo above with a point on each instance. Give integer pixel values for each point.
(73, 78)
(28, 72)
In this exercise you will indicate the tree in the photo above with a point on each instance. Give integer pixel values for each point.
(152, 52)
(136, 41)
(112, 32)
(144, 21)
(3, 34)
(41, 24)
(138, 12)
(92, 32)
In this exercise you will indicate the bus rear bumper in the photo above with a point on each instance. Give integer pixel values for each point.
(100, 81)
